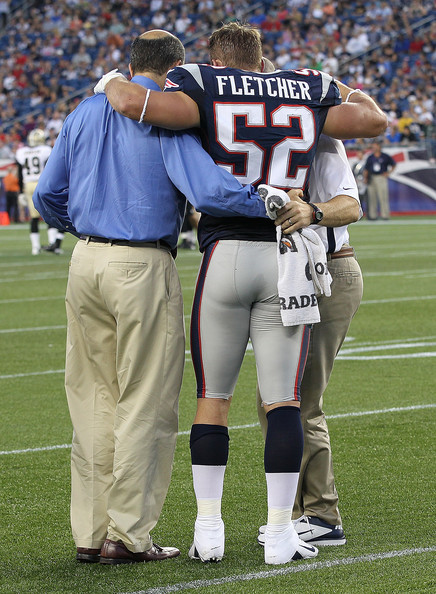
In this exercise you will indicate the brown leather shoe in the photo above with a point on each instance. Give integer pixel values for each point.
(88, 555)
(114, 553)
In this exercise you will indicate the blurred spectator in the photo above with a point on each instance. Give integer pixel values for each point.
(81, 60)
(377, 168)
(430, 143)
(54, 123)
(393, 135)
(407, 136)
(5, 151)
(4, 13)
(405, 120)
(330, 63)
(11, 185)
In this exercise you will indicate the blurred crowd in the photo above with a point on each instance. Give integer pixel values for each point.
(51, 54)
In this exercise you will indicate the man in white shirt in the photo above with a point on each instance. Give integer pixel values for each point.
(334, 191)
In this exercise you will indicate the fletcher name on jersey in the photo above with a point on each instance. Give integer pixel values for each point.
(262, 127)
(270, 86)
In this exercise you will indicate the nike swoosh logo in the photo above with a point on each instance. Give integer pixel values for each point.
(348, 188)
(306, 532)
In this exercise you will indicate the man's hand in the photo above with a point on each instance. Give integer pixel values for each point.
(100, 86)
(295, 215)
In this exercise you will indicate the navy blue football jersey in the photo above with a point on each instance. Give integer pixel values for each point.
(263, 128)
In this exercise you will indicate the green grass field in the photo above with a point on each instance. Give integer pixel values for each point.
(381, 409)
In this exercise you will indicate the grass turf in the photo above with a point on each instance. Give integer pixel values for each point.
(384, 461)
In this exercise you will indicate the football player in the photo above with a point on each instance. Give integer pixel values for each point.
(31, 159)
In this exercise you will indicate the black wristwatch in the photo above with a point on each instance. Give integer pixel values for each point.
(317, 214)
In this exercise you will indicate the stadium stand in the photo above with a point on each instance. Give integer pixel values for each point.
(51, 53)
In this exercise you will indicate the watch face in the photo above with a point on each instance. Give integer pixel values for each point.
(319, 215)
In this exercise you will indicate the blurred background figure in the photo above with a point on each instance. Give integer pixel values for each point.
(11, 184)
(377, 169)
(358, 172)
(31, 159)
(188, 235)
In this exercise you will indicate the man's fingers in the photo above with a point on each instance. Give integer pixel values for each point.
(295, 194)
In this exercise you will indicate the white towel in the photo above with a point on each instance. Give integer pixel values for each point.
(303, 275)
(317, 262)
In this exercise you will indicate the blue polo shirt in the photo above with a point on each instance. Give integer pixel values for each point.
(113, 177)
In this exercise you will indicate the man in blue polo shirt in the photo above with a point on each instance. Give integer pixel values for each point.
(117, 185)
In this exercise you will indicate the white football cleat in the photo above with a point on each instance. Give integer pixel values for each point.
(208, 545)
(285, 547)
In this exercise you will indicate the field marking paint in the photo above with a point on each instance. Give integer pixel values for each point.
(395, 300)
(375, 254)
(384, 357)
(365, 302)
(353, 352)
(392, 341)
(423, 271)
(362, 413)
(188, 316)
(14, 265)
(32, 299)
(291, 569)
(347, 353)
(32, 373)
(43, 276)
(35, 329)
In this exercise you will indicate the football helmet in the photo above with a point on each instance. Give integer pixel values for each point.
(36, 137)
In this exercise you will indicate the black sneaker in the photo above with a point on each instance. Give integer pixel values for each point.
(315, 531)
(49, 248)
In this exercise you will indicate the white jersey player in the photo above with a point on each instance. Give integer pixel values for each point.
(31, 159)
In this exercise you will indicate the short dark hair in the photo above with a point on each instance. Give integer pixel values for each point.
(156, 55)
(237, 46)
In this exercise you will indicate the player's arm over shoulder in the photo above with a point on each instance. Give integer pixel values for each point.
(175, 111)
(357, 117)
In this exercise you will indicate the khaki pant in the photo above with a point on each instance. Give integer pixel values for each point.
(316, 492)
(124, 366)
(378, 197)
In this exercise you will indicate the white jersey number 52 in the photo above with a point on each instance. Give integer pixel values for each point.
(280, 171)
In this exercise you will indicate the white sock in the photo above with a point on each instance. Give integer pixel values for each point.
(281, 489)
(51, 233)
(208, 487)
(35, 241)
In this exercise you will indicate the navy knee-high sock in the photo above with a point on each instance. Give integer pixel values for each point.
(284, 440)
(282, 460)
(209, 454)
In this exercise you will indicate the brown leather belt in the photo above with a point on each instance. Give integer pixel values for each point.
(162, 245)
(345, 252)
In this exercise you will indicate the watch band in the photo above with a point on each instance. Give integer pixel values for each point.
(317, 213)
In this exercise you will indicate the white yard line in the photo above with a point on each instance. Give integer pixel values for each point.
(362, 413)
(283, 571)
(35, 329)
(31, 299)
(396, 300)
(38, 277)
